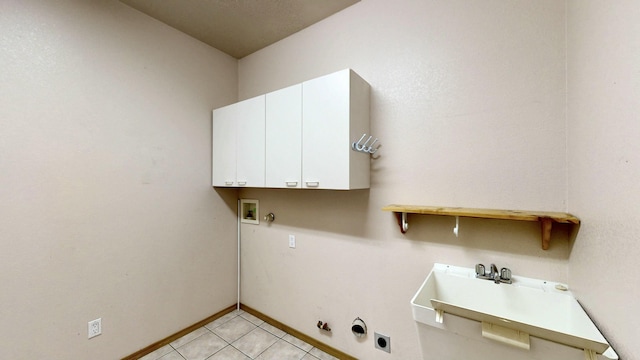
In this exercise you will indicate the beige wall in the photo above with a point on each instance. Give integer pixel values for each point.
(105, 151)
(468, 100)
(105, 162)
(603, 40)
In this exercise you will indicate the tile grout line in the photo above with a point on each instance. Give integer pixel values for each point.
(251, 320)
(306, 352)
(238, 339)
(197, 337)
(209, 331)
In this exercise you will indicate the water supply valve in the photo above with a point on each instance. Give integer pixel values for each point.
(323, 326)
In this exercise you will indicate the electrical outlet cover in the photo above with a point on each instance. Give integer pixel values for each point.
(95, 328)
(292, 241)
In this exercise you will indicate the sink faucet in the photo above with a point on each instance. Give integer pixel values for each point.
(495, 275)
(502, 276)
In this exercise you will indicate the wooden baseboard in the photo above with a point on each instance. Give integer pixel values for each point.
(273, 322)
(309, 340)
(171, 338)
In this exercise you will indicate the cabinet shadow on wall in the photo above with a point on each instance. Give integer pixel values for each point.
(334, 211)
(229, 196)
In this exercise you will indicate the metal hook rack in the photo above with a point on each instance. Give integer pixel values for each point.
(365, 147)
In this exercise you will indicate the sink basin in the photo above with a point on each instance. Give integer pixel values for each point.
(539, 308)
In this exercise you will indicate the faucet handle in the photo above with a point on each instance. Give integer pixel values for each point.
(480, 270)
(505, 274)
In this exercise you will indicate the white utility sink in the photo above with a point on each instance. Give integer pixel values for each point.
(533, 307)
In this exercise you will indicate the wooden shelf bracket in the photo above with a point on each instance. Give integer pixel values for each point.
(546, 224)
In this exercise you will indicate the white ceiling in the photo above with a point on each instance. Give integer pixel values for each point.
(239, 27)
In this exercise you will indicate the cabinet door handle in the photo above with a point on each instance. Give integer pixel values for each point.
(291, 183)
(313, 183)
(242, 183)
(228, 183)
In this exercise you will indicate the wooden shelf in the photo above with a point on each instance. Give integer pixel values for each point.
(546, 218)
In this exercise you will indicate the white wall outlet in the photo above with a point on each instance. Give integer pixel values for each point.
(95, 328)
(292, 241)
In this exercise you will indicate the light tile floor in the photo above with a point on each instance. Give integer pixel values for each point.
(238, 335)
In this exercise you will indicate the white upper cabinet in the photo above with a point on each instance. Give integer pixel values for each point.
(296, 137)
(224, 146)
(284, 138)
(238, 144)
(335, 113)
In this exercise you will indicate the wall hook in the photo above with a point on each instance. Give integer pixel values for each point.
(402, 221)
(405, 224)
(365, 147)
(355, 145)
(457, 228)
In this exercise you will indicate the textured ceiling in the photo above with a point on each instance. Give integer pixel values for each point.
(239, 27)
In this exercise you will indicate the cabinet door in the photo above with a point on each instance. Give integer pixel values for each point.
(250, 132)
(224, 146)
(238, 144)
(325, 132)
(283, 148)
